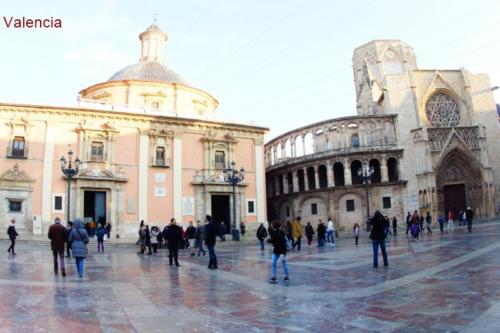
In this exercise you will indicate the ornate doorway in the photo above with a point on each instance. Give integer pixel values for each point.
(454, 198)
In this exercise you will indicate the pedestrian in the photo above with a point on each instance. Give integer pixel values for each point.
(141, 226)
(200, 237)
(321, 231)
(191, 236)
(68, 243)
(58, 235)
(451, 217)
(421, 222)
(309, 233)
(100, 233)
(243, 228)
(463, 216)
(330, 230)
(441, 222)
(155, 232)
(12, 232)
(278, 239)
(210, 239)
(387, 226)
(142, 239)
(394, 226)
(415, 228)
(428, 220)
(91, 225)
(289, 235)
(174, 238)
(159, 238)
(355, 232)
(469, 214)
(108, 230)
(79, 239)
(222, 231)
(297, 233)
(377, 236)
(261, 235)
(408, 223)
(147, 239)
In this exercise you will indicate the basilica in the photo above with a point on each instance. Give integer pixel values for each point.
(422, 139)
(144, 145)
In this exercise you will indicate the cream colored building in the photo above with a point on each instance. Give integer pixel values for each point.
(432, 137)
(151, 148)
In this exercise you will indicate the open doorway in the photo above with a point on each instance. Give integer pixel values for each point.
(221, 210)
(94, 206)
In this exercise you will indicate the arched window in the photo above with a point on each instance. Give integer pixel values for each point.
(355, 166)
(376, 177)
(309, 144)
(392, 169)
(338, 174)
(311, 179)
(299, 146)
(355, 140)
(442, 110)
(323, 178)
(279, 151)
(300, 176)
(288, 149)
(289, 180)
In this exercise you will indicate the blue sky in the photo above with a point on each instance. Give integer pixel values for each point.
(280, 64)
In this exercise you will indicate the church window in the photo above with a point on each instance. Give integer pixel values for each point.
(15, 206)
(442, 111)
(220, 159)
(386, 202)
(160, 156)
(155, 105)
(97, 152)
(355, 140)
(349, 205)
(314, 209)
(18, 146)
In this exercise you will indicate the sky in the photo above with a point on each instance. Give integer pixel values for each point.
(281, 64)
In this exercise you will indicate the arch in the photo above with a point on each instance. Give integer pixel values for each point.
(288, 148)
(289, 181)
(322, 177)
(279, 151)
(346, 216)
(273, 154)
(299, 146)
(308, 213)
(311, 178)
(301, 180)
(338, 174)
(308, 144)
(355, 166)
(392, 169)
(377, 176)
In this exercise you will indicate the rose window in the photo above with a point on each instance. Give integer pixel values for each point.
(442, 111)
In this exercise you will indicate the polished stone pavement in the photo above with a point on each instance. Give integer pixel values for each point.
(442, 283)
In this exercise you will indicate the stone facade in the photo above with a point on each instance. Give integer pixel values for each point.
(431, 137)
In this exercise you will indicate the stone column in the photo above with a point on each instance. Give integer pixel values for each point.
(316, 176)
(304, 144)
(383, 171)
(285, 183)
(295, 180)
(347, 173)
(329, 174)
(306, 180)
(294, 153)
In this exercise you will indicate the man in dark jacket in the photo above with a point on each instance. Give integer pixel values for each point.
(408, 222)
(469, 214)
(279, 251)
(261, 235)
(210, 239)
(174, 237)
(11, 231)
(58, 235)
(377, 236)
(321, 230)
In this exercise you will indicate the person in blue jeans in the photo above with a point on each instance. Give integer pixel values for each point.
(278, 239)
(79, 238)
(377, 235)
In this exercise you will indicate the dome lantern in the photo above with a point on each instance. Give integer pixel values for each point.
(152, 44)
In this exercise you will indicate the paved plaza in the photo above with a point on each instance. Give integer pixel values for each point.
(443, 283)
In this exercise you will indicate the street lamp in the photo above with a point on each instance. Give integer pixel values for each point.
(233, 177)
(69, 171)
(366, 172)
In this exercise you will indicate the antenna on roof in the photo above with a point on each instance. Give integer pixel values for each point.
(155, 17)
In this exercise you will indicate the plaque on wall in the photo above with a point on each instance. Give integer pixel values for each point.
(160, 177)
(160, 191)
(188, 206)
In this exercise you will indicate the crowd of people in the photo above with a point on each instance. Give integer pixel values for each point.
(284, 237)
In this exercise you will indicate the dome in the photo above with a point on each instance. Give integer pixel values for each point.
(148, 71)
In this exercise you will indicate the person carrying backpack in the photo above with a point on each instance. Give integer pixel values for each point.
(261, 235)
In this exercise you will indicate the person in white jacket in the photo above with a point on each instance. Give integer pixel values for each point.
(330, 233)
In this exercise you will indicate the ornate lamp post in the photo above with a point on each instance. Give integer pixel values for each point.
(233, 177)
(69, 170)
(366, 172)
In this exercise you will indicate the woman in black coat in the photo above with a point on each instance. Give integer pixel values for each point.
(377, 236)
(210, 239)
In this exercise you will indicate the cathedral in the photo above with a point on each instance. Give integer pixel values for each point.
(422, 139)
(144, 145)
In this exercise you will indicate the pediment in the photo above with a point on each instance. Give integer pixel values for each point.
(101, 174)
(16, 175)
